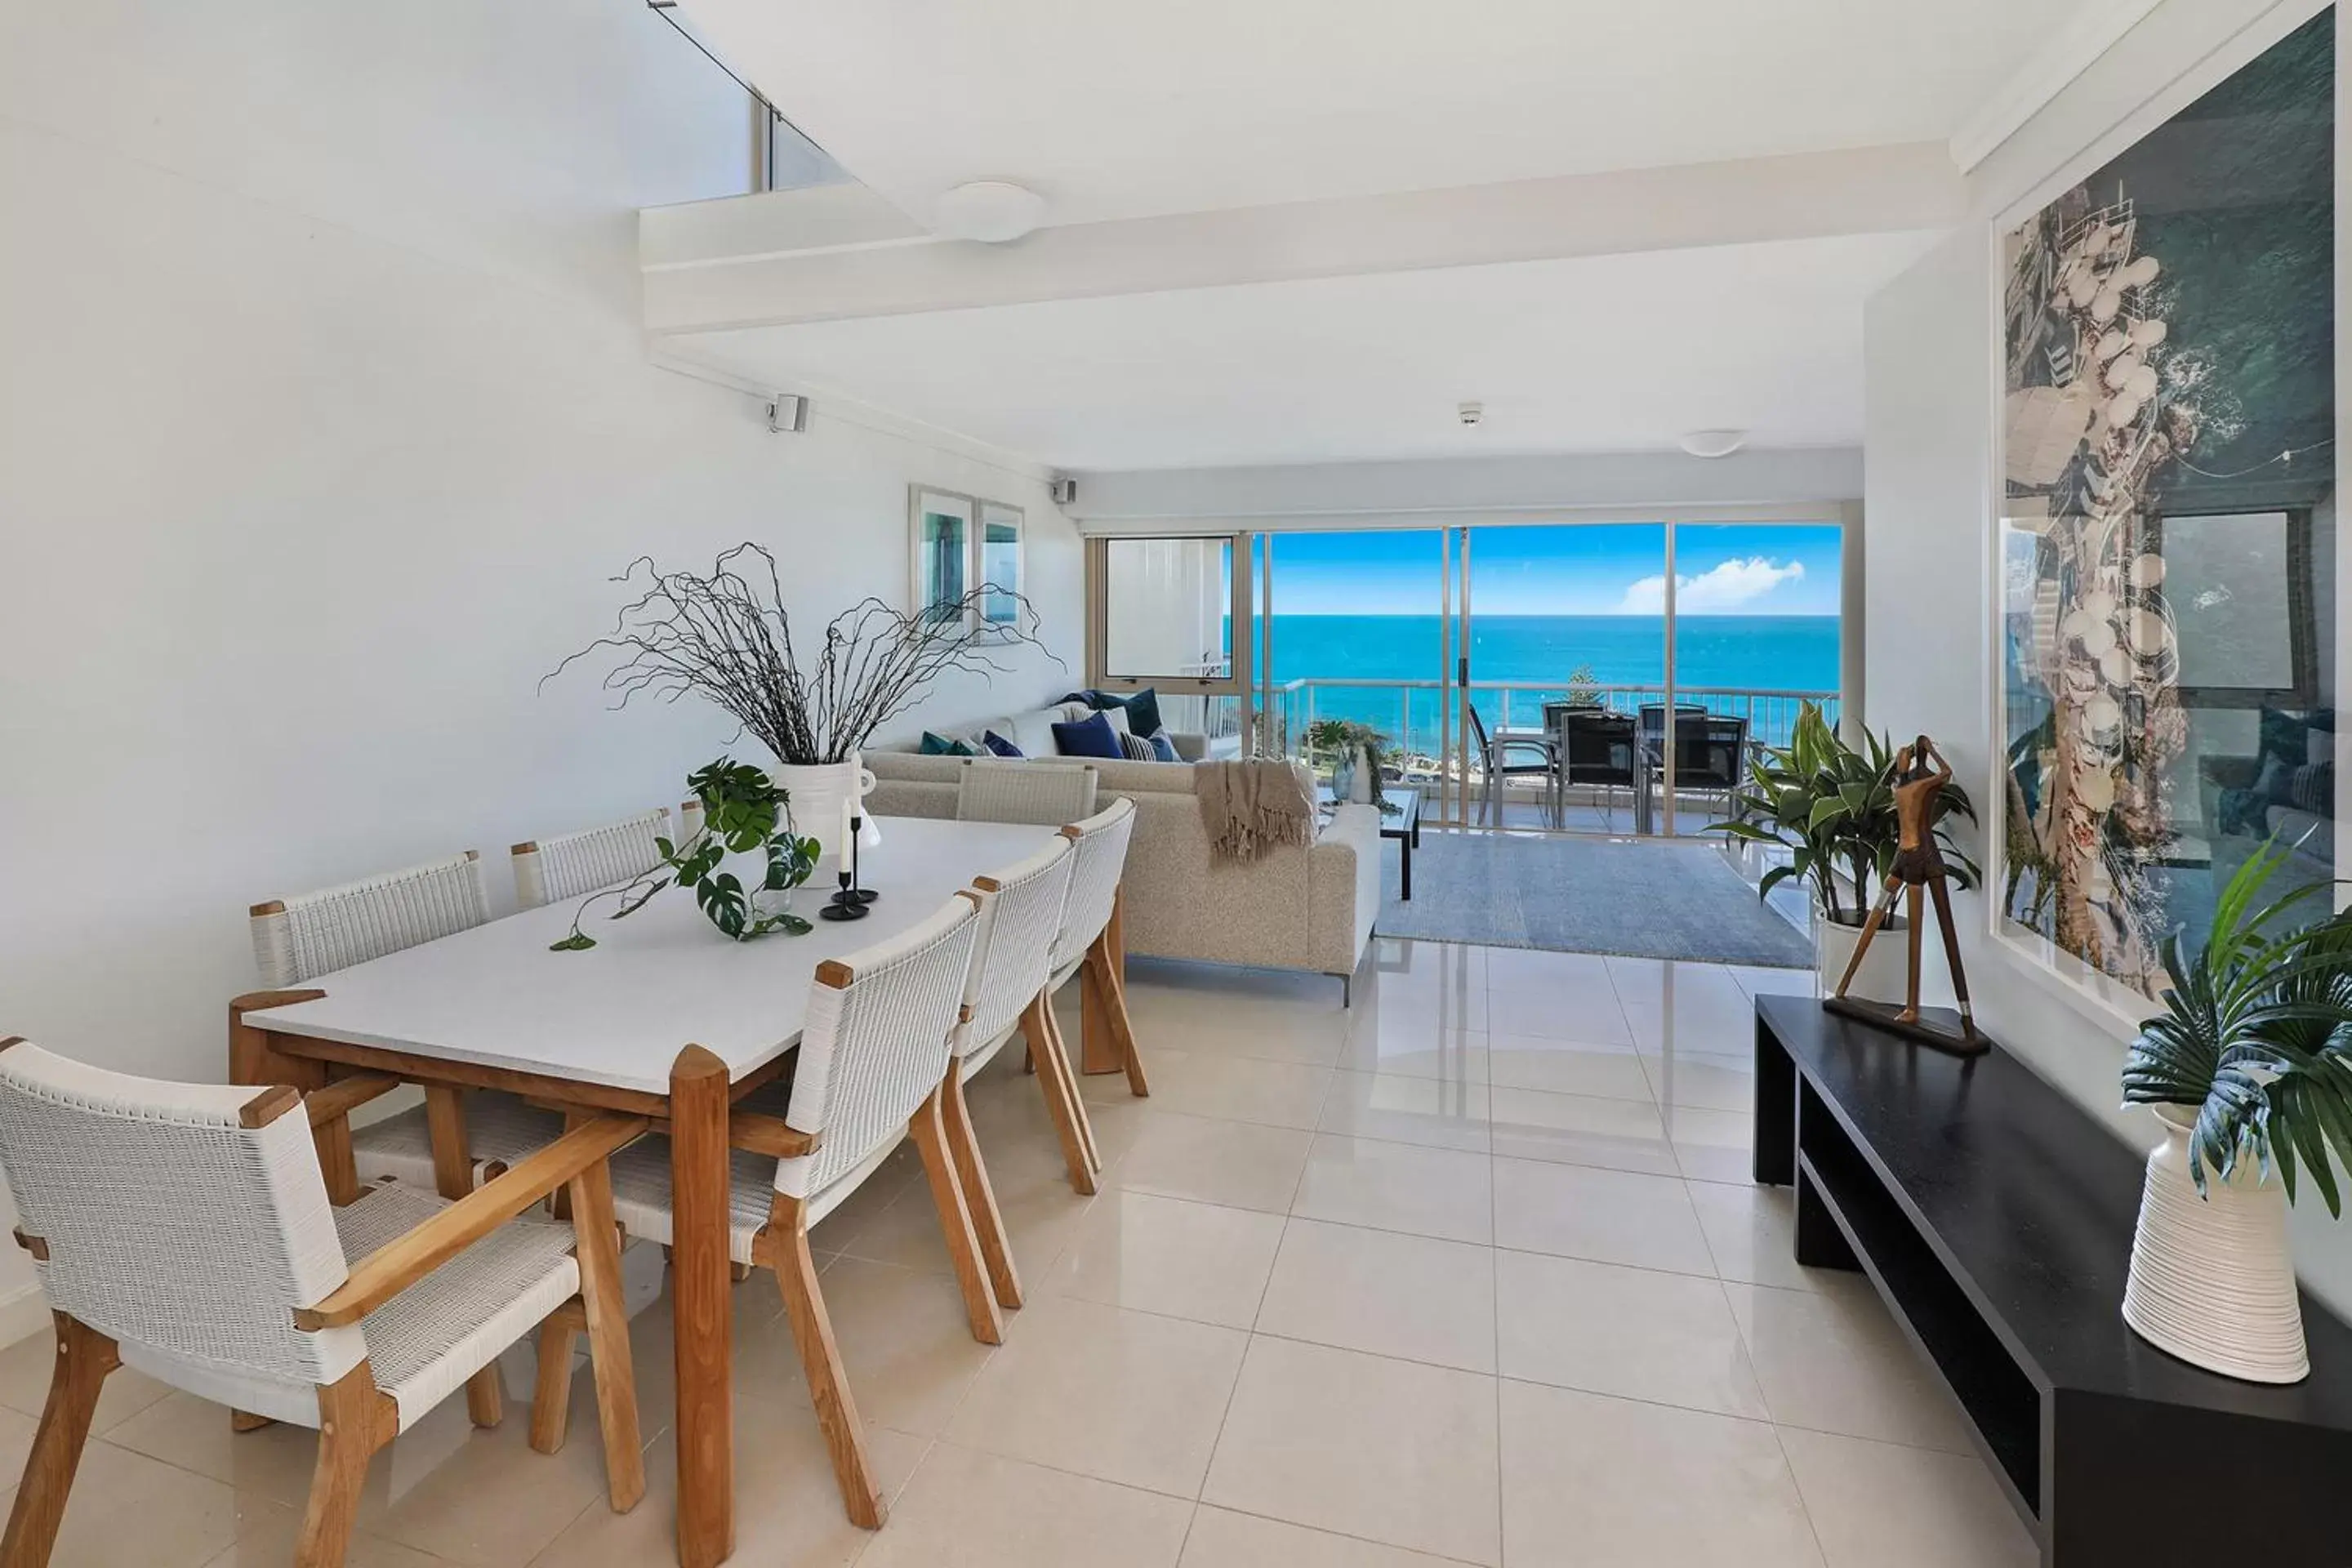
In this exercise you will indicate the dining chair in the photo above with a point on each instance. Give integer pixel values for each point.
(185, 1230)
(1089, 943)
(874, 1056)
(1045, 793)
(296, 939)
(1596, 750)
(1494, 754)
(1020, 917)
(573, 865)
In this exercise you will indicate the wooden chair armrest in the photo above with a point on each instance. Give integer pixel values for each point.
(402, 1261)
(764, 1134)
(345, 1095)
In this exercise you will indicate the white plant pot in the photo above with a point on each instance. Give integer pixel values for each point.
(2211, 1279)
(1359, 787)
(1884, 975)
(820, 794)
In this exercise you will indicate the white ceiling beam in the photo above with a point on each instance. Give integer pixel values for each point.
(2069, 51)
(708, 269)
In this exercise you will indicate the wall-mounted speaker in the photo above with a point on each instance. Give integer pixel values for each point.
(1065, 491)
(787, 414)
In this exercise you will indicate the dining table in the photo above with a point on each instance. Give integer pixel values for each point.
(665, 1017)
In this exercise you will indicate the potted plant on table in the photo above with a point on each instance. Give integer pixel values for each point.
(742, 861)
(2249, 1068)
(725, 637)
(1831, 806)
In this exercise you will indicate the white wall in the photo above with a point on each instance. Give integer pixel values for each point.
(324, 420)
(1930, 367)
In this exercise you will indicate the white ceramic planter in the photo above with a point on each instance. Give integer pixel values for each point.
(1883, 974)
(820, 792)
(2211, 1279)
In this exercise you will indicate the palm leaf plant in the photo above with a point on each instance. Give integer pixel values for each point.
(1832, 806)
(2256, 1037)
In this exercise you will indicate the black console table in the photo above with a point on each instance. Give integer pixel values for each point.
(1995, 1218)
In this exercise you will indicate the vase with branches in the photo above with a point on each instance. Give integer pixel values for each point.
(726, 637)
(1357, 750)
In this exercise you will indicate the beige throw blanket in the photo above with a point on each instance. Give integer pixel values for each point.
(1248, 808)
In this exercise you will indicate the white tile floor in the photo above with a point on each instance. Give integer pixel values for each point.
(1469, 1273)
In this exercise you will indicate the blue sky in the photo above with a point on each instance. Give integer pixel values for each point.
(1737, 569)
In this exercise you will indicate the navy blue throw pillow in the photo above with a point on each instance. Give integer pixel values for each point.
(1091, 736)
(1163, 748)
(1000, 745)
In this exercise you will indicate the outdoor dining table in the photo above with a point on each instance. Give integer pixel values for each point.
(664, 1018)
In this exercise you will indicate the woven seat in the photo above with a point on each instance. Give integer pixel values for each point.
(573, 865)
(1045, 793)
(500, 1130)
(185, 1230)
(1088, 943)
(875, 1053)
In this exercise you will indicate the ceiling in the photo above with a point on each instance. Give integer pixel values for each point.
(1121, 109)
(1608, 353)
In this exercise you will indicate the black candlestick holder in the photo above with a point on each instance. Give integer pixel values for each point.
(850, 903)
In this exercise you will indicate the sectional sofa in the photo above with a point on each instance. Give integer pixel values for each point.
(1306, 908)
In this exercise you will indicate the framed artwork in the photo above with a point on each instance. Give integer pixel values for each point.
(997, 568)
(2167, 536)
(940, 529)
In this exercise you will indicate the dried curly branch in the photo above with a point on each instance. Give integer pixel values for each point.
(727, 638)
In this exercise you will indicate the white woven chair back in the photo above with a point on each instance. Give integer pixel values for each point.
(1019, 918)
(298, 938)
(169, 1224)
(576, 863)
(1101, 859)
(873, 1047)
(1045, 794)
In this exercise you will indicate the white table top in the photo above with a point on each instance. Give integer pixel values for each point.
(655, 982)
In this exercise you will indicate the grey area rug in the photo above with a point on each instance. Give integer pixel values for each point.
(1585, 895)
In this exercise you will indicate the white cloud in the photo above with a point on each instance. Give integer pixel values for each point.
(1736, 582)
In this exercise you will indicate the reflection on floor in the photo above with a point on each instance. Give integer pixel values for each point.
(1470, 1273)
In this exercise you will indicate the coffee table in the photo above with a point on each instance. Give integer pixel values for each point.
(1403, 825)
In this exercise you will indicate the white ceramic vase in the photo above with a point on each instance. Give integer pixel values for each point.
(821, 793)
(1883, 974)
(2211, 1279)
(1366, 772)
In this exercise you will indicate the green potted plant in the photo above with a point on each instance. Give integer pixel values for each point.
(1832, 806)
(1356, 750)
(742, 861)
(2249, 1068)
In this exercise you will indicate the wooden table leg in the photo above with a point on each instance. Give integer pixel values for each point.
(453, 1177)
(703, 1332)
(1097, 1044)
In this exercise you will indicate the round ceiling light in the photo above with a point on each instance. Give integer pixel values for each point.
(994, 211)
(1714, 443)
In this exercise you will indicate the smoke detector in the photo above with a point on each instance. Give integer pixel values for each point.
(1470, 413)
(1714, 443)
(994, 211)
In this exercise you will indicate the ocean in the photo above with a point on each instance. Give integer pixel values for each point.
(1534, 655)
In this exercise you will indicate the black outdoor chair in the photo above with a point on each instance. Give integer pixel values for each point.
(1494, 761)
(1596, 747)
(1710, 751)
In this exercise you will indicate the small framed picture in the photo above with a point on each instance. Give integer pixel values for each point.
(997, 565)
(939, 525)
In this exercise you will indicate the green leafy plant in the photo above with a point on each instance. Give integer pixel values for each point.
(1583, 687)
(1832, 806)
(2256, 1036)
(1340, 737)
(744, 812)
